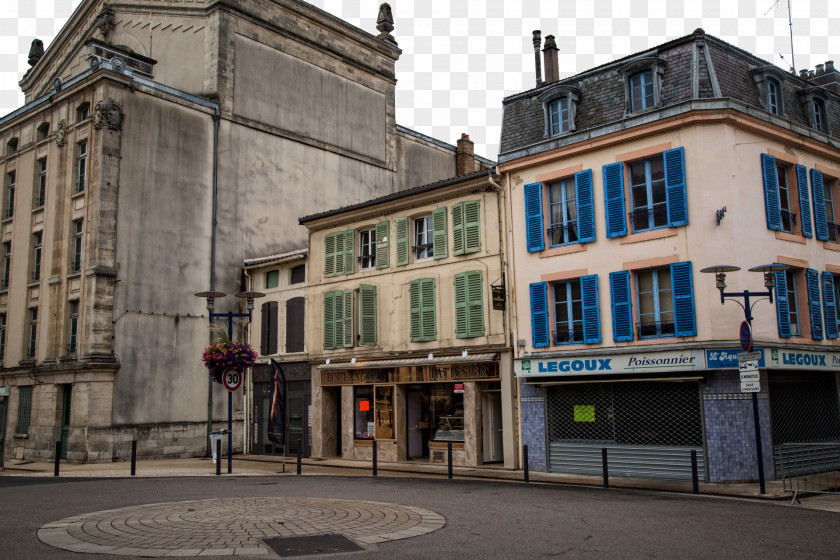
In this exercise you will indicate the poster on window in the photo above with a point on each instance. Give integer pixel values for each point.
(277, 414)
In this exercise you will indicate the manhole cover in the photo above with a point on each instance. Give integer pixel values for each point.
(287, 547)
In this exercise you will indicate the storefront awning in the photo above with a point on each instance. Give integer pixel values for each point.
(411, 362)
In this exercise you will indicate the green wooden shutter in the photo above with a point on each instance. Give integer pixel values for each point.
(461, 305)
(427, 309)
(475, 304)
(458, 229)
(348, 319)
(329, 255)
(383, 244)
(414, 310)
(439, 233)
(349, 238)
(367, 315)
(338, 319)
(329, 321)
(402, 241)
(472, 226)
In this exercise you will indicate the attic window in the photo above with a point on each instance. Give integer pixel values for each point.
(643, 83)
(815, 103)
(82, 112)
(770, 81)
(43, 131)
(11, 146)
(559, 103)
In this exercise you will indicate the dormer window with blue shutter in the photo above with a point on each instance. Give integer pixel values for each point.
(560, 212)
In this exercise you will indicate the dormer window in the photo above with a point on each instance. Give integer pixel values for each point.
(82, 112)
(769, 80)
(815, 101)
(641, 91)
(773, 90)
(819, 116)
(643, 83)
(559, 107)
(558, 116)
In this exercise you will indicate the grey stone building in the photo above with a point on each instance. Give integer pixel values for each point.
(161, 143)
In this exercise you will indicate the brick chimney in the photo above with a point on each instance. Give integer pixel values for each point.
(464, 156)
(552, 68)
(537, 40)
(827, 76)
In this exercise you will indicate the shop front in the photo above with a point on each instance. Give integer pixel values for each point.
(413, 409)
(298, 403)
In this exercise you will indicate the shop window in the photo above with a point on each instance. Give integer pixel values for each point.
(272, 279)
(570, 206)
(783, 186)
(268, 328)
(664, 300)
(41, 189)
(446, 412)
(24, 409)
(831, 303)
(469, 305)
(657, 193)
(9, 199)
(823, 191)
(363, 410)
(298, 274)
(367, 249)
(295, 315)
(422, 316)
(384, 412)
(73, 327)
(787, 304)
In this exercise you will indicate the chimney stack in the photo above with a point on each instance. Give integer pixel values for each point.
(552, 68)
(464, 156)
(537, 41)
(828, 77)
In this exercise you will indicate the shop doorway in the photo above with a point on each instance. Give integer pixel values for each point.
(492, 427)
(297, 419)
(417, 421)
(3, 400)
(67, 391)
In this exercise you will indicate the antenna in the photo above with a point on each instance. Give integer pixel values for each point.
(792, 58)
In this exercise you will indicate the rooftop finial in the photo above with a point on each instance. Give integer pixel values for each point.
(36, 51)
(385, 23)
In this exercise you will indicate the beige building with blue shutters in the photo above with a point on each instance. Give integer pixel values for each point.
(407, 325)
(624, 182)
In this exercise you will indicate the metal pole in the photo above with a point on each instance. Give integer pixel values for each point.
(695, 479)
(218, 456)
(759, 454)
(374, 457)
(57, 456)
(449, 457)
(298, 456)
(605, 468)
(230, 404)
(133, 457)
(525, 463)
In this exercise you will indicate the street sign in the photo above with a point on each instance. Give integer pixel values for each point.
(750, 387)
(745, 335)
(751, 365)
(748, 356)
(232, 380)
(749, 376)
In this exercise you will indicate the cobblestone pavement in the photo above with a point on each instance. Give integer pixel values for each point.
(233, 526)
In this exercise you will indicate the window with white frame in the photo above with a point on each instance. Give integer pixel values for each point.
(787, 304)
(367, 249)
(423, 238)
(558, 116)
(829, 211)
(819, 115)
(562, 211)
(73, 327)
(41, 192)
(568, 312)
(76, 248)
(656, 303)
(81, 166)
(641, 91)
(773, 96)
(649, 201)
(37, 249)
(788, 219)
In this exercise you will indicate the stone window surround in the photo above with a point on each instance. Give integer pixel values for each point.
(656, 65)
(760, 75)
(552, 93)
(807, 97)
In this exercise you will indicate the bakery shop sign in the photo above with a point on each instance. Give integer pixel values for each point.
(414, 374)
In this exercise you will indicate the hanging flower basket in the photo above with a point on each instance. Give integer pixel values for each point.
(222, 356)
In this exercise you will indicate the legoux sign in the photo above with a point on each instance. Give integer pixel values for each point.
(642, 362)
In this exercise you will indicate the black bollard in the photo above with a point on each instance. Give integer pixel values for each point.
(374, 457)
(57, 456)
(695, 479)
(449, 455)
(525, 463)
(133, 457)
(299, 457)
(218, 456)
(606, 470)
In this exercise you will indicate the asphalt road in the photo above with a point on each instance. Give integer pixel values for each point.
(483, 519)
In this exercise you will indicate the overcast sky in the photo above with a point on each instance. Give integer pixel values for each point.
(460, 57)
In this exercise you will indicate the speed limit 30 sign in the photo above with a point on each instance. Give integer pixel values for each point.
(232, 380)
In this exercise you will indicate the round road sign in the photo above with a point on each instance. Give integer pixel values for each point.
(745, 334)
(232, 380)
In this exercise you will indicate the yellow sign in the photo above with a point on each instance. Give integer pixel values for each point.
(584, 413)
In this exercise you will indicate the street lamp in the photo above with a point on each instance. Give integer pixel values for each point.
(769, 271)
(211, 296)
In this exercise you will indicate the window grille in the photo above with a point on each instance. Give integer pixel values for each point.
(24, 409)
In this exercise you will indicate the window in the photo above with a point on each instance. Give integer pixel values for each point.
(819, 116)
(814, 102)
(340, 316)
(367, 249)
(7, 265)
(422, 317)
(779, 194)
(664, 298)
(384, 412)
(788, 219)
(469, 305)
(298, 274)
(773, 96)
(76, 255)
(268, 328)
(10, 195)
(73, 327)
(33, 332)
(657, 193)
(41, 192)
(363, 424)
(24, 409)
(831, 221)
(81, 166)
(82, 112)
(295, 314)
(272, 279)
(37, 247)
(575, 312)
(787, 310)
(446, 412)
(11, 146)
(2, 338)
(423, 236)
(825, 220)
(43, 131)
(641, 91)
(568, 312)
(558, 116)
(570, 206)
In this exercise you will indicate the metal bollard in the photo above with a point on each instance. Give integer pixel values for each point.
(133, 457)
(57, 456)
(525, 463)
(449, 456)
(299, 450)
(374, 457)
(606, 470)
(695, 479)
(218, 457)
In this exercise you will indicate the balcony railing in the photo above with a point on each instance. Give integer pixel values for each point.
(76, 265)
(788, 220)
(655, 329)
(647, 218)
(423, 251)
(562, 233)
(568, 336)
(833, 231)
(367, 261)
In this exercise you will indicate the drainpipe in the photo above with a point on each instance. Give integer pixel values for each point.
(216, 120)
(249, 385)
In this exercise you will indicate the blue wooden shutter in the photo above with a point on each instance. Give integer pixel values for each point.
(534, 217)
(614, 199)
(591, 314)
(812, 281)
(622, 310)
(782, 309)
(539, 315)
(820, 219)
(683, 291)
(675, 187)
(829, 305)
(771, 192)
(585, 206)
(804, 203)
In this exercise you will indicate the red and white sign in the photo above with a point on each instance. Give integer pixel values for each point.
(459, 387)
(232, 380)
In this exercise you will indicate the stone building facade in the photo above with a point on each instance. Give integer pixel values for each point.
(162, 142)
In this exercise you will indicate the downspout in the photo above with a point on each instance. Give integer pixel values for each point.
(216, 120)
(249, 384)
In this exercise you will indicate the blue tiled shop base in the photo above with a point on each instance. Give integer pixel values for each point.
(533, 424)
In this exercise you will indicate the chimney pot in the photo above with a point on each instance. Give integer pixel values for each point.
(537, 39)
(810, 73)
(803, 73)
(820, 68)
(552, 68)
(829, 66)
(464, 155)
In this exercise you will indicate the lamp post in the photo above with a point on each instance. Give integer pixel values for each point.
(769, 271)
(211, 296)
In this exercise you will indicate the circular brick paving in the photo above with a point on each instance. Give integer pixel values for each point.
(233, 525)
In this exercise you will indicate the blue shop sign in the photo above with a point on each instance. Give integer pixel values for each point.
(727, 358)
